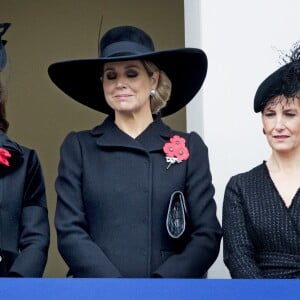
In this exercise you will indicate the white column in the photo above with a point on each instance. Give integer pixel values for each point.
(240, 39)
(193, 35)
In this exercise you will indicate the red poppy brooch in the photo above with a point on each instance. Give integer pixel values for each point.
(175, 150)
(4, 155)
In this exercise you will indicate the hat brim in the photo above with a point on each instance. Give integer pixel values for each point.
(3, 57)
(80, 79)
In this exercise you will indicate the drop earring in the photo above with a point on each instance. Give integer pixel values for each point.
(264, 132)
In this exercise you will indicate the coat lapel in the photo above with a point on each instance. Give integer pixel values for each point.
(152, 139)
(155, 136)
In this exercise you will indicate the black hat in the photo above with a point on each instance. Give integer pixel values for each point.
(3, 57)
(80, 79)
(284, 81)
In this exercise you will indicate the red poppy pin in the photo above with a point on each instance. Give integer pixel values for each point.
(175, 150)
(4, 155)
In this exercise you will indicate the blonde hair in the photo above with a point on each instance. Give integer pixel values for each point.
(163, 91)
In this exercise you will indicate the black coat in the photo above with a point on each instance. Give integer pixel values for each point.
(24, 225)
(113, 194)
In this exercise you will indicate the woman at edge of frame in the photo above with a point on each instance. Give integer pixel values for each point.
(24, 225)
(261, 207)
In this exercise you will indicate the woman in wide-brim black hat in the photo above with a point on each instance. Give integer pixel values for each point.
(261, 207)
(135, 197)
(24, 229)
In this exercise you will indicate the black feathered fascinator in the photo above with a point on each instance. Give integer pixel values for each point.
(284, 81)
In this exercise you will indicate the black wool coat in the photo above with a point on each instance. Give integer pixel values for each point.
(24, 225)
(113, 195)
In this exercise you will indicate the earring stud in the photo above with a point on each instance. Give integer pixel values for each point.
(152, 92)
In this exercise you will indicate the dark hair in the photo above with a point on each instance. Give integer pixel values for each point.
(3, 121)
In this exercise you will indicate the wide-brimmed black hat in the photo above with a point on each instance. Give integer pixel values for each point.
(80, 79)
(3, 56)
(284, 81)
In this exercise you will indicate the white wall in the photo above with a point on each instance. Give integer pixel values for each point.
(240, 39)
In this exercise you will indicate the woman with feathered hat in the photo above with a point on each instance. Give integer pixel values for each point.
(135, 198)
(24, 225)
(261, 208)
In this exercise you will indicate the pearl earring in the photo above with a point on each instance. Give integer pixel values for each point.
(152, 92)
